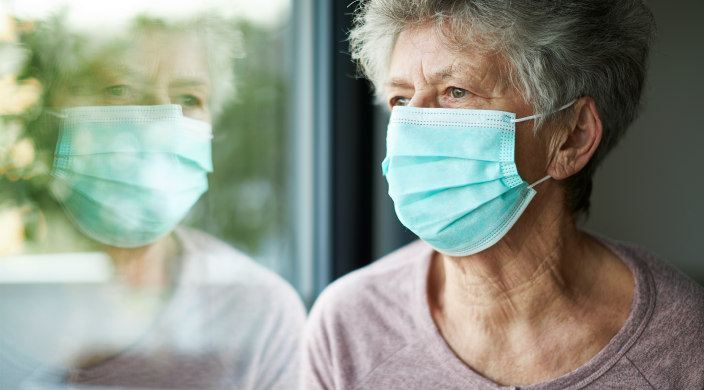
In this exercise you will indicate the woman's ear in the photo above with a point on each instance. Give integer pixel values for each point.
(580, 143)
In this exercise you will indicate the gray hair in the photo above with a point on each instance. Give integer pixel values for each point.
(555, 52)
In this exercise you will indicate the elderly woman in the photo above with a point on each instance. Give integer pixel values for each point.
(183, 309)
(501, 111)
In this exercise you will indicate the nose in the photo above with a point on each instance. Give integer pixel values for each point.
(155, 96)
(425, 98)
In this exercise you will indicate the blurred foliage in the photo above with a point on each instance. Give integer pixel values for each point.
(244, 204)
(20, 98)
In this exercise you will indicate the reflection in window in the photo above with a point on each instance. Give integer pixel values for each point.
(126, 166)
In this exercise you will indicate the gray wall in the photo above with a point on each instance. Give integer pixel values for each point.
(650, 190)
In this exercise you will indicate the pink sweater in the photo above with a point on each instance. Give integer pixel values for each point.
(372, 329)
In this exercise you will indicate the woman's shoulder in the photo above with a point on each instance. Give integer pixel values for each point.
(673, 290)
(364, 318)
(668, 350)
(218, 276)
(385, 281)
(210, 260)
(383, 294)
(217, 266)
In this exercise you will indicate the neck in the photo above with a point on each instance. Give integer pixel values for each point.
(519, 278)
(144, 266)
(536, 305)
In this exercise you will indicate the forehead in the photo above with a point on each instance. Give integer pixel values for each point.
(175, 54)
(422, 51)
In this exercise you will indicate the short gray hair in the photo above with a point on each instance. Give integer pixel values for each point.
(555, 51)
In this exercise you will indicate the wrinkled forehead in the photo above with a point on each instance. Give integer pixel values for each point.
(163, 54)
(144, 63)
(448, 50)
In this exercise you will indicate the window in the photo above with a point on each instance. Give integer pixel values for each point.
(131, 92)
(154, 188)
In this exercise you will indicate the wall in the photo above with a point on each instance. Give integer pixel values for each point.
(650, 190)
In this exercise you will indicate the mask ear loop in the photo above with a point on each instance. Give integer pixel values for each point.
(533, 117)
(540, 181)
(527, 118)
(56, 114)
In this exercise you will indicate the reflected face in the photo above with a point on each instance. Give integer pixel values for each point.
(129, 180)
(425, 73)
(153, 69)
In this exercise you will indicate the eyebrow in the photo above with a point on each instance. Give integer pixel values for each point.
(398, 83)
(189, 82)
(439, 75)
(189, 79)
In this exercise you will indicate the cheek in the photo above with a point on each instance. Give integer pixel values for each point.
(202, 114)
(530, 154)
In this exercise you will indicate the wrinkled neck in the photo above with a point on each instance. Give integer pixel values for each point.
(514, 279)
(536, 265)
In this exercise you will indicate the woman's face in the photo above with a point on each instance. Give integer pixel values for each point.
(424, 73)
(151, 69)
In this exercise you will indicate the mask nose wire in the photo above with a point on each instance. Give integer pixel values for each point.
(527, 118)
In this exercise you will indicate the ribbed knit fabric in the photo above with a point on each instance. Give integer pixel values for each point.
(372, 329)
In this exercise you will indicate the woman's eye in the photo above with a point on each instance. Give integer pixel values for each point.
(188, 101)
(399, 101)
(117, 90)
(458, 93)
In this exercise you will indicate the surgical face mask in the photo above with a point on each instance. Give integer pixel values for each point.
(452, 176)
(126, 175)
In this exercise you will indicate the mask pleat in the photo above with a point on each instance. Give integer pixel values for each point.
(134, 202)
(113, 225)
(412, 178)
(452, 175)
(131, 135)
(127, 175)
(495, 219)
(484, 144)
(456, 201)
(156, 171)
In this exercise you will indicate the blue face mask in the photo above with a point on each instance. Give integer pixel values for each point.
(452, 176)
(126, 175)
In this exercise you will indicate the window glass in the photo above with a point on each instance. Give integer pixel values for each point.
(144, 195)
